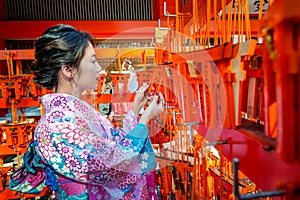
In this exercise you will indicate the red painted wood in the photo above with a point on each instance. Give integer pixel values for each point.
(99, 29)
(265, 168)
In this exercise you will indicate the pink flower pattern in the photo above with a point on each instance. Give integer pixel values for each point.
(54, 116)
(64, 150)
(73, 164)
(45, 143)
(75, 133)
(71, 189)
(96, 164)
(86, 111)
(71, 130)
(58, 101)
(128, 181)
(84, 154)
(102, 178)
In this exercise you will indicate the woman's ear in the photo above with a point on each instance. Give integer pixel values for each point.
(67, 71)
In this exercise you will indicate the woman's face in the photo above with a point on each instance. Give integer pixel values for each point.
(89, 70)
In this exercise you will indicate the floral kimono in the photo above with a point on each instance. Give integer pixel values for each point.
(80, 155)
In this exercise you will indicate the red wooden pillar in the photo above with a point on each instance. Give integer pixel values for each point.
(282, 42)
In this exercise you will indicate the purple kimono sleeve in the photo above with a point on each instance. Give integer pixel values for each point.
(119, 166)
(133, 153)
(129, 122)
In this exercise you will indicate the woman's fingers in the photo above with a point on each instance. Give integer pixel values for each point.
(141, 94)
(144, 88)
(155, 99)
(161, 102)
(158, 99)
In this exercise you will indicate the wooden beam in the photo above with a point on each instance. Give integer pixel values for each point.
(99, 29)
(28, 54)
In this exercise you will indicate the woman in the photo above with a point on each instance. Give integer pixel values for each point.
(76, 151)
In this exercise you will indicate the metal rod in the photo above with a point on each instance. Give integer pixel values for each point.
(166, 13)
(190, 124)
(217, 143)
(249, 196)
(174, 117)
(161, 28)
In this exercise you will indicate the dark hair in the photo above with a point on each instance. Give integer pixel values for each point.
(60, 45)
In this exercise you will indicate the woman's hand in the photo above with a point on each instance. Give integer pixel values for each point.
(140, 99)
(155, 108)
